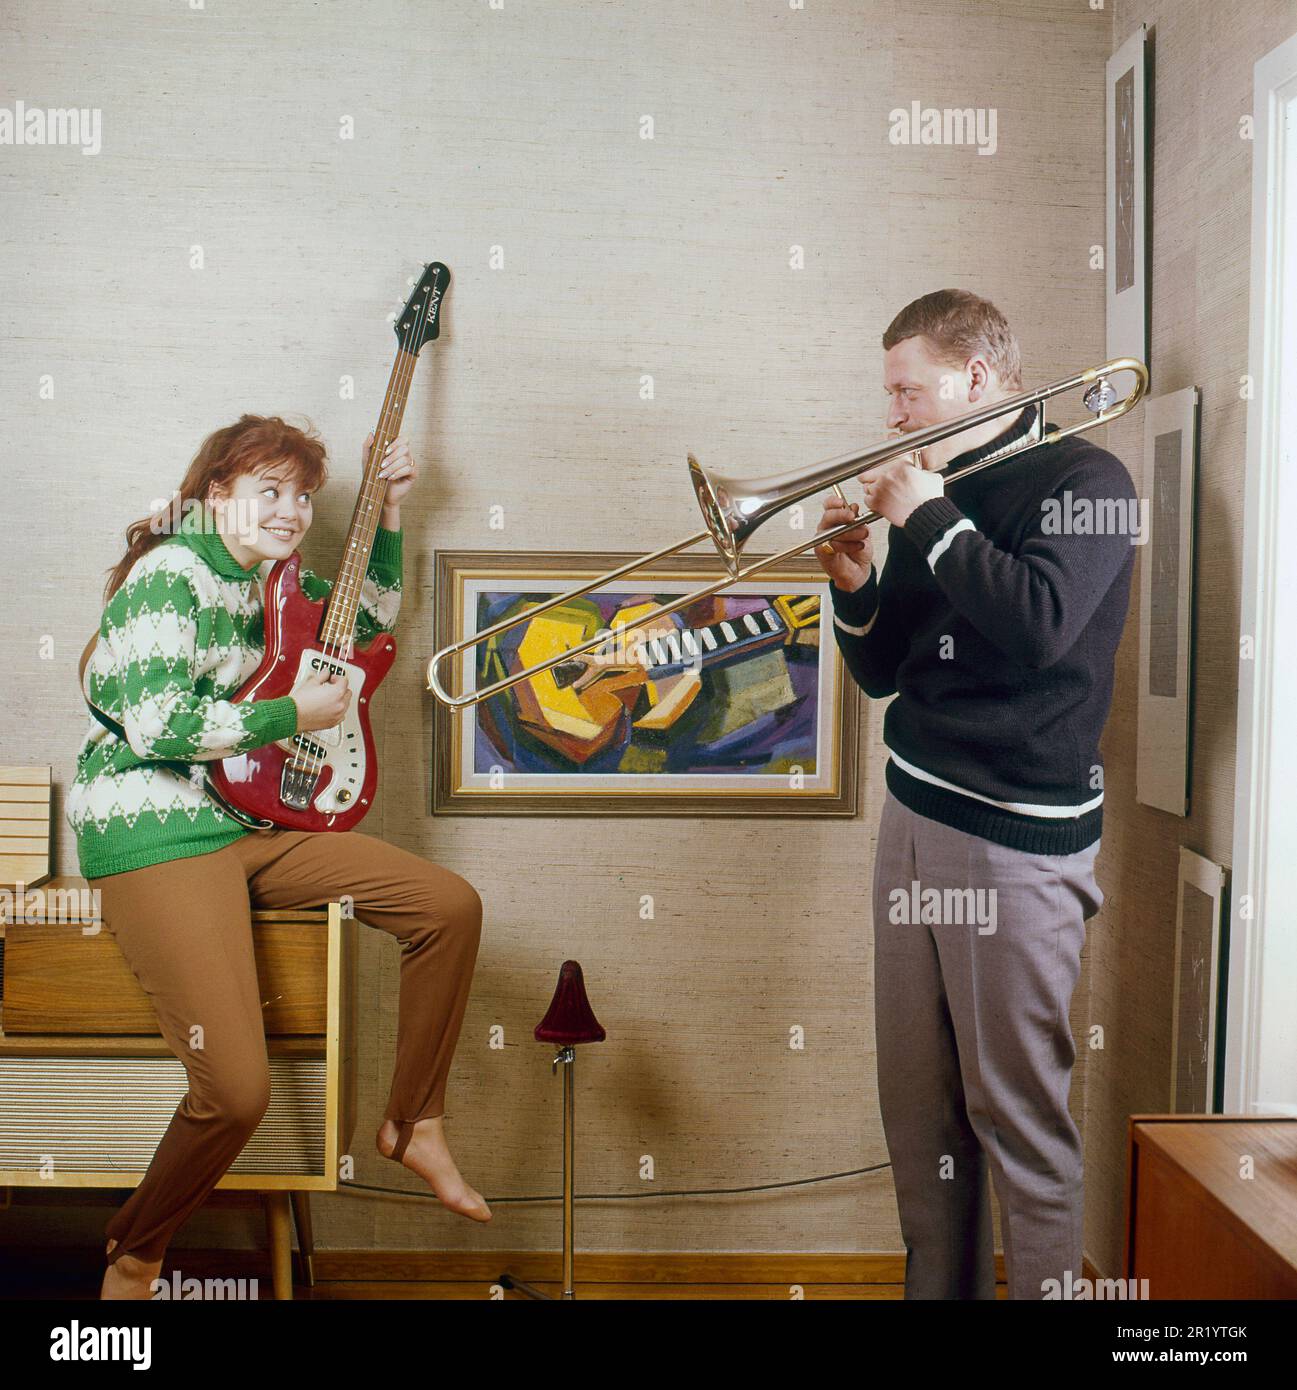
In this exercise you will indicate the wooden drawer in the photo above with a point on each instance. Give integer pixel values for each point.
(57, 979)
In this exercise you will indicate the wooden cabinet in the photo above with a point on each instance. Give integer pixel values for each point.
(1211, 1206)
(88, 1085)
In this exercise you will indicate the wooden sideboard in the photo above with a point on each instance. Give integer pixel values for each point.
(88, 1085)
(1211, 1206)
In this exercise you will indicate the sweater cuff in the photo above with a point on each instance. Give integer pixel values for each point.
(385, 557)
(859, 606)
(272, 720)
(930, 520)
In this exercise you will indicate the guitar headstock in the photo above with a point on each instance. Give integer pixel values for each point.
(420, 320)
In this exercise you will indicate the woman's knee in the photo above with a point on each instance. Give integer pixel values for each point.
(453, 904)
(245, 1106)
(467, 909)
(236, 1100)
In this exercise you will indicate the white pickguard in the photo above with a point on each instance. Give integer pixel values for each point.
(343, 744)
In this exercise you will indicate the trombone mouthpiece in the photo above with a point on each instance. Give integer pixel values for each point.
(1099, 397)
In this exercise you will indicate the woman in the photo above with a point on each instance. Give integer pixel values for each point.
(181, 633)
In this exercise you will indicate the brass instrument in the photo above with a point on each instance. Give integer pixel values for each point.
(733, 508)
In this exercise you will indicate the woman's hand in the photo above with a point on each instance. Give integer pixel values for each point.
(400, 472)
(321, 699)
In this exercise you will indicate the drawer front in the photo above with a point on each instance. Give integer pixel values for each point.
(83, 1122)
(57, 980)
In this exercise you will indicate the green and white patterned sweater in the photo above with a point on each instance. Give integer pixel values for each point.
(177, 640)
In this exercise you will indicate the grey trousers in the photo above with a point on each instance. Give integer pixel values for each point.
(975, 1052)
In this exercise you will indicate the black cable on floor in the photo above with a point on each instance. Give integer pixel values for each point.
(634, 1196)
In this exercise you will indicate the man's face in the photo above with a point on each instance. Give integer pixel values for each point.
(923, 390)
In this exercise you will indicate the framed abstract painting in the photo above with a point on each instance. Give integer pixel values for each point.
(731, 706)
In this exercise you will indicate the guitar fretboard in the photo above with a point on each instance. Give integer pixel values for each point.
(344, 601)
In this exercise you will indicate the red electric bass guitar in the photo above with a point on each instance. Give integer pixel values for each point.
(325, 779)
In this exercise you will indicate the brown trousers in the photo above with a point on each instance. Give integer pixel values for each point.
(185, 928)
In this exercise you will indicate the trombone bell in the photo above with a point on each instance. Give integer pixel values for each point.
(733, 508)
(729, 514)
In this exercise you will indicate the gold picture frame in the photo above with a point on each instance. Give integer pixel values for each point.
(764, 725)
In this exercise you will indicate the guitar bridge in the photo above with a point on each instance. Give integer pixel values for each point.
(296, 783)
(324, 772)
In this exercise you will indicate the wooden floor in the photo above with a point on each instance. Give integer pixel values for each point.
(420, 1275)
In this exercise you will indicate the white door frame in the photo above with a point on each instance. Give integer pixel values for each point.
(1261, 1030)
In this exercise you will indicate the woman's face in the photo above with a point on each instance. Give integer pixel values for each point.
(264, 515)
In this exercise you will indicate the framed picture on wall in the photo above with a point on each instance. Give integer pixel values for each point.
(1126, 250)
(1198, 1005)
(1166, 602)
(731, 706)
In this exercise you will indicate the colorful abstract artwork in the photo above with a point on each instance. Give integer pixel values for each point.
(733, 694)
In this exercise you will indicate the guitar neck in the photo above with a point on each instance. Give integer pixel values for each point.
(344, 601)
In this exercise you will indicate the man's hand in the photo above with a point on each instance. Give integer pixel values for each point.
(895, 488)
(847, 559)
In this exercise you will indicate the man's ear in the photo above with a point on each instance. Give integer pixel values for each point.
(980, 378)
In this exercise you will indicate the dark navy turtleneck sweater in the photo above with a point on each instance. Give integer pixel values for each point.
(995, 623)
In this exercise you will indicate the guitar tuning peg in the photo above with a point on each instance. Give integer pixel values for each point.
(391, 318)
(413, 280)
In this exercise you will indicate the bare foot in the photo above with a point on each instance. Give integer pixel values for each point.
(428, 1155)
(128, 1278)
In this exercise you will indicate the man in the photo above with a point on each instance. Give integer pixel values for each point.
(995, 623)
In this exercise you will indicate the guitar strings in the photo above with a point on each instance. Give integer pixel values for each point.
(345, 599)
(394, 401)
(341, 614)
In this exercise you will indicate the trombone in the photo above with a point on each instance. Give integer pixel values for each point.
(734, 508)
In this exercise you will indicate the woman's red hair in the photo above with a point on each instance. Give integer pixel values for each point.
(248, 446)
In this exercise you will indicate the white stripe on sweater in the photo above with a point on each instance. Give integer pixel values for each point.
(856, 631)
(938, 550)
(862, 631)
(1022, 808)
